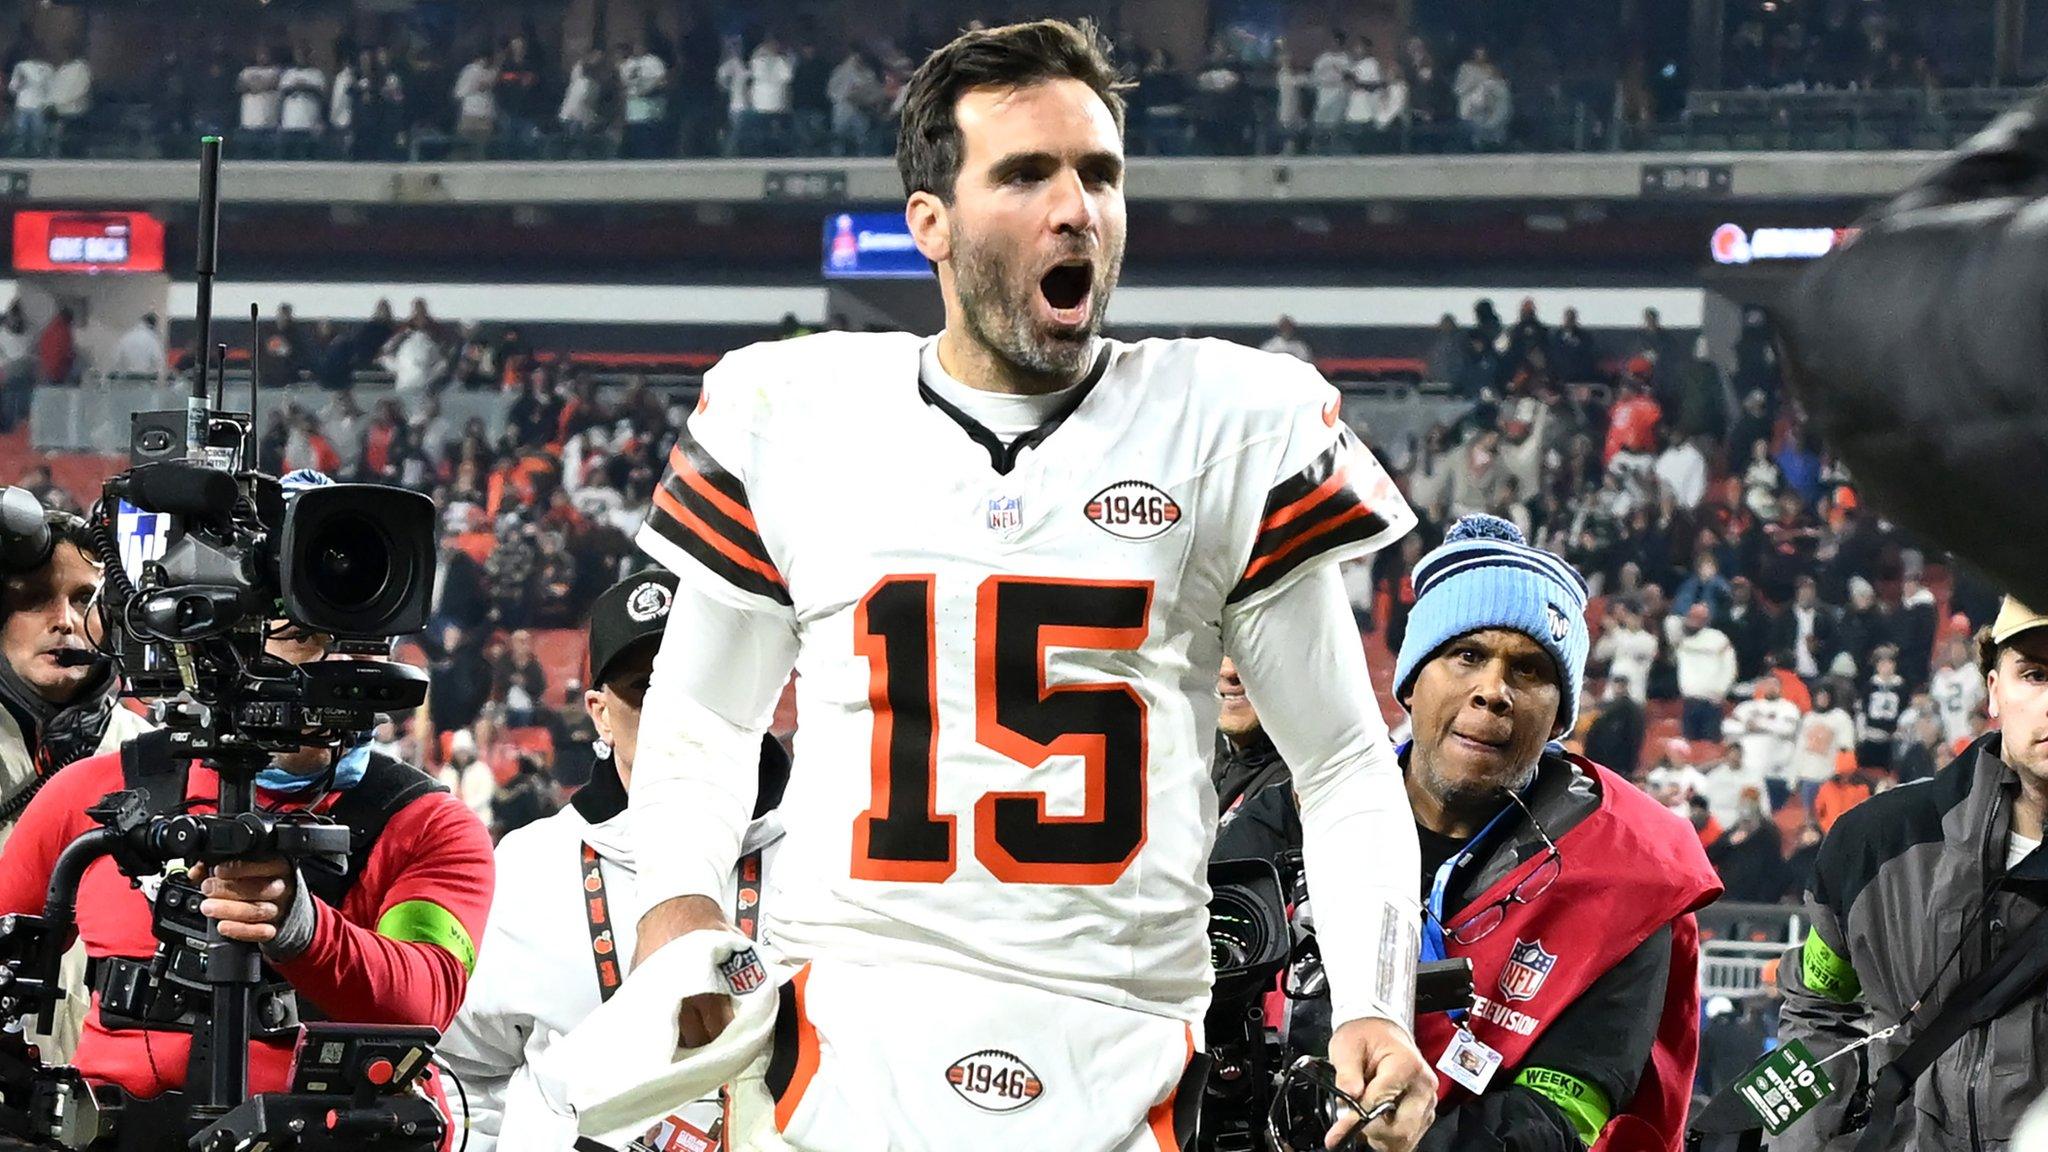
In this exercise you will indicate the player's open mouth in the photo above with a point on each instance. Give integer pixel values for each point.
(1067, 289)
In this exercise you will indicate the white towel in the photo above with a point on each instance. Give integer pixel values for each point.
(623, 1069)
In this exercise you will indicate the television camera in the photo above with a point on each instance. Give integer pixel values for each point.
(206, 559)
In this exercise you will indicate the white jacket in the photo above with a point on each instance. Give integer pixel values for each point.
(1706, 664)
(1766, 728)
(1822, 737)
(536, 972)
(17, 768)
(1628, 652)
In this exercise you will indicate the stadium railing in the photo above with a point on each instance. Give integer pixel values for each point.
(1879, 119)
(1740, 944)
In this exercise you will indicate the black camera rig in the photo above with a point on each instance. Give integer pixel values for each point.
(1253, 939)
(207, 559)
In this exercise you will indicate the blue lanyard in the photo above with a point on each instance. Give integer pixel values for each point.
(1433, 947)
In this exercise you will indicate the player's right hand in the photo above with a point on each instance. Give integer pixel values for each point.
(699, 1019)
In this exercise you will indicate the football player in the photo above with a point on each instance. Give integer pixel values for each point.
(1007, 562)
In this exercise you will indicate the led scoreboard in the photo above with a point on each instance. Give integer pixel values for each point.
(88, 242)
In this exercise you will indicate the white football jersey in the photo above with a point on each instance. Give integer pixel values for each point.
(1007, 654)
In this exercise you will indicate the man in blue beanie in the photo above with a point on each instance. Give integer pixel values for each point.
(1569, 889)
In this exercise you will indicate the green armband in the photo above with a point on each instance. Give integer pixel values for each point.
(1827, 972)
(1584, 1104)
(425, 922)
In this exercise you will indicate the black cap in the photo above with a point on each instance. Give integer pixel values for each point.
(629, 612)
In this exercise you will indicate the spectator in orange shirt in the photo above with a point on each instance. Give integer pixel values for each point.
(1848, 788)
(308, 447)
(1631, 426)
(1703, 821)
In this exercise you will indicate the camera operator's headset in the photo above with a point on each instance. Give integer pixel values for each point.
(148, 766)
(25, 538)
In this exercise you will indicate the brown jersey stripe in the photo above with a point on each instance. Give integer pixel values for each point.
(682, 527)
(1286, 498)
(1338, 502)
(707, 466)
(689, 490)
(1358, 524)
(717, 494)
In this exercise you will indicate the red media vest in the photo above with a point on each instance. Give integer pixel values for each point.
(1626, 870)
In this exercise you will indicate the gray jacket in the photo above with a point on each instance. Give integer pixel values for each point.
(1895, 889)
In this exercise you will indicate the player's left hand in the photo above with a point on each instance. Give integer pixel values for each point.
(1377, 1061)
(248, 897)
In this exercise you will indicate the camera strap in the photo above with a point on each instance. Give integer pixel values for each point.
(387, 788)
(597, 914)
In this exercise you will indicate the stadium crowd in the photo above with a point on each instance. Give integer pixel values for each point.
(706, 88)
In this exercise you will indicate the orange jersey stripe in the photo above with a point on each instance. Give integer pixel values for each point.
(1357, 512)
(1282, 517)
(806, 1057)
(733, 552)
(688, 473)
(1160, 1118)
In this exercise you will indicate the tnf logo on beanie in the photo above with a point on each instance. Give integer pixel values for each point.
(1559, 623)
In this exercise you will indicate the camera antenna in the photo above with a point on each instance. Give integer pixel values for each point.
(202, 269)
(249, 460)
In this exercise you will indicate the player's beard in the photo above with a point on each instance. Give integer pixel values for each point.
(997, 304)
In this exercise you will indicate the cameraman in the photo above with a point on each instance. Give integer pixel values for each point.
(1570, 890)
(395, 947)
(540, 974)
(55, 706)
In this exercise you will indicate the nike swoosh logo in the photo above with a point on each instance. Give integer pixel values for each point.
(1330, 412)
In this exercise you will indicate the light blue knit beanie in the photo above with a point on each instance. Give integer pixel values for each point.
(1485, 575)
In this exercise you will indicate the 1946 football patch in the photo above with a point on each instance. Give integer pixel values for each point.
(1132, 510)
(994, 1081)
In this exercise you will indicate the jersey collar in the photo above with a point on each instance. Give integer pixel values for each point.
(1003, 457)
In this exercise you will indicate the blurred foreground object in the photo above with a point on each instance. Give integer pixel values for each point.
(1921, 349)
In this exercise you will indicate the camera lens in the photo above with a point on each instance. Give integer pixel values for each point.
(358, 560)
(351, 561)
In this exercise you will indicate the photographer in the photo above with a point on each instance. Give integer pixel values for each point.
(54, 706)
(1569, 890)
(389, 942)
(540, 974)
(1254, 791)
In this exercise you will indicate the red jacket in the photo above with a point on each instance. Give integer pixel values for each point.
(1628, 869)
(56, 353)
(433, 849)
(1629, 427)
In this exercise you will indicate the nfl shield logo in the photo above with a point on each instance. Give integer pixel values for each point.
(743, 971)
(1527, 965)
(1005, 514)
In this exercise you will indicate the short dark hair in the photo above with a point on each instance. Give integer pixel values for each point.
(1987, 651)
(66, 528)
(929, 148)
